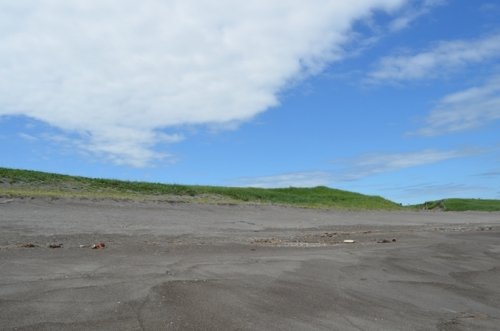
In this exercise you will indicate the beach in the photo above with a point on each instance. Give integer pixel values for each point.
(188, 266)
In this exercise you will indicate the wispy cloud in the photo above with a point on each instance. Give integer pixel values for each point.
(293, 179)
(27, 137)
(490, 7)
(464, 110)
(446, 56)
(490, 174)
(355, 169)
(125, 75)
(439, 190)
(373, 164)
(413, 12)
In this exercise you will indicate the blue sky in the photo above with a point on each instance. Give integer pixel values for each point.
(388, 97)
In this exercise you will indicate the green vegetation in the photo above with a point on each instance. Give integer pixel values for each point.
(34, 183)
(26, 183)
(462, 205)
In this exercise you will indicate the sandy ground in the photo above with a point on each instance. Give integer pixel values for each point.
(205, 267)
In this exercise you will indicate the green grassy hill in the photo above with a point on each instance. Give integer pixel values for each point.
(462, 205)
(14, 182)
(34, 183)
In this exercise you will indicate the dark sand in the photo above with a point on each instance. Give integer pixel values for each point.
(205, 267)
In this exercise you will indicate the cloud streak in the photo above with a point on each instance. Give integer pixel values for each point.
(439, 190)
(293, 179)
(489, 174)
(445, 57)
(464, 110)
(374, 164)
(352, 170)
(413, 13)
(126, 75)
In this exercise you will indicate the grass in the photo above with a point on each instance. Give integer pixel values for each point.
(15, 182)
(462, 205)
(27, 183)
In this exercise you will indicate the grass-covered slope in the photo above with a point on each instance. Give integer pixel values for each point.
(34, 183)
(462, 205)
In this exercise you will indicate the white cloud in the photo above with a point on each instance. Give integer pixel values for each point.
(355, 169)
(490, 8)
(121, 72)
(373, 164)
(433, 191)
(464, 110)
(441, 59)
(413, 13)
(294, 179)
(27, 137)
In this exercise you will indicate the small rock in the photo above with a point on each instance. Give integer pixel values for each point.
(55, 245)
(349, 241)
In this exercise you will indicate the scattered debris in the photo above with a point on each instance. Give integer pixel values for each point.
(329, 234)
(386, 241)
(275, 242)
(267, 241)
(55, 245)
(301, 244)
(28, 245)
(98, 246)
(349, 241)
